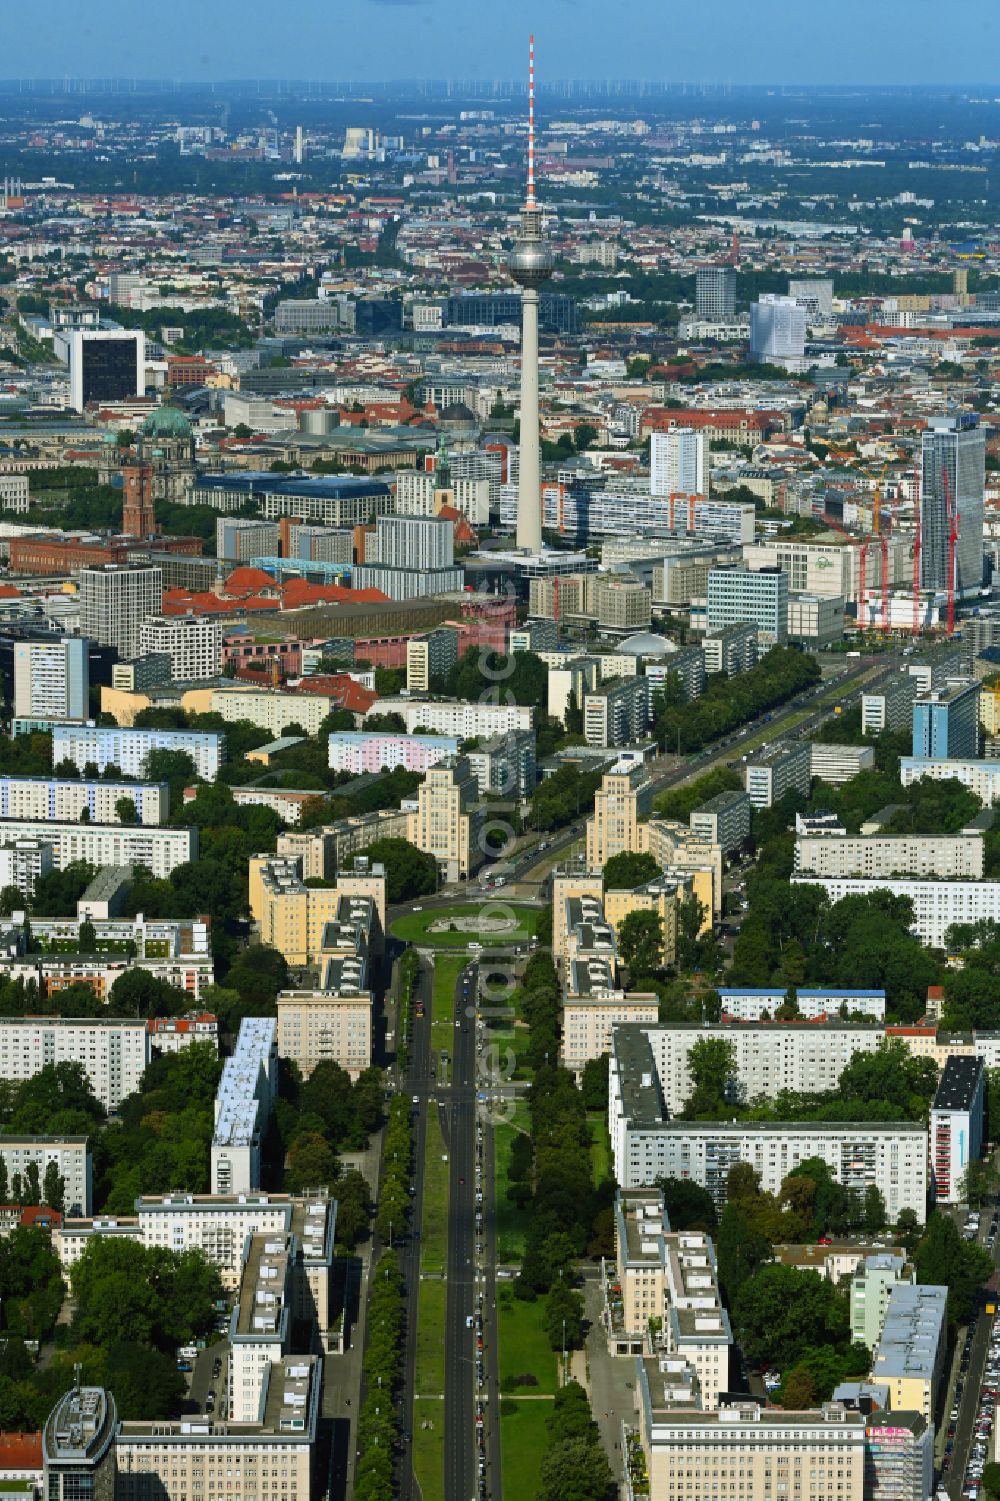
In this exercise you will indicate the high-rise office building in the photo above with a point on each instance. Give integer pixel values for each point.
(777, 329)
(737, 596)
(815, 293)
(953, 456)
(114, 602)
(104, 364)
(946, 721)
(678, 462)
(78, 1446)
(51, 679)
(531, 267)
(715, 293)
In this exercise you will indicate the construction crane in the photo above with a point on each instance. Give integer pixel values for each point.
(952, 513)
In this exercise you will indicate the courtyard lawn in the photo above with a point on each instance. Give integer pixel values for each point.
(523, 1445)
(457, 929)
(524, 1346)
(600, 1147)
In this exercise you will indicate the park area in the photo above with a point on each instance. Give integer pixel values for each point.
(491, 921)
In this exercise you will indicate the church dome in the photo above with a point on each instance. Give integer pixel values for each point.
(166, 422)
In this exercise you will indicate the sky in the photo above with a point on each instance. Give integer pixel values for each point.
(711, 41)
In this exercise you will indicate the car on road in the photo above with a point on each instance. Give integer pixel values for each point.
(416, 909)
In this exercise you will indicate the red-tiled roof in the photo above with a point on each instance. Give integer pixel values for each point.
(21, 1451)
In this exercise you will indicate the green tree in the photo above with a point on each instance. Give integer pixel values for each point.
(409, 872)
(575, 1470)
(626, 871)
(942, 1258)
(781, 1312)
(640, 942)
(713, 1072)
(311, 1163)
(125, 811)
(594, 1083)
(741, 1250)
(688, 1205)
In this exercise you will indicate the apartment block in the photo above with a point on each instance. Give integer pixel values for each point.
(754, 1005)
(981, 777)
(294, 917)
(724, 820)
(449, 717)
(167, 1460)
(669, 1277)
(616, 713)
(647, 1144)
(909, 1356)
(193, 644)
(839, 763)
(871, 1286)
(114, 1053)
(958, 856)
(324, 850)
(731, 650)
(22, 861)
(71, 1155)
(243, 1103)
(504, 766)
(161, 850)
(749, 1450)
(430, 657)
(272, 710)
(128, 749)
(937, 903)
(784, 767)
(52, 679)
(449, 819)
(356, 751)
(946, 721)
(45, 798)
(890, 706)
(815, 620)
(957, 1126)
(622, 800)
(807, 1058)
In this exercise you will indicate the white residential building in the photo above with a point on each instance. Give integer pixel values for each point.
(22, 861)
(161, 850)
(129, 749)
(646, 1144)
(678, 462)
(839, 763)
(937, 904)
(45, 798)
(358, 752)
(760, 1004)
(52, 679)
(243, 1104)
(950, 856)
(981, 777)
(192, 642)
(449, 717)
(71, 1155)
(114, 1053)
(956, 1126)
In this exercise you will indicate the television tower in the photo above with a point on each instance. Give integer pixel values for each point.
(530, 266)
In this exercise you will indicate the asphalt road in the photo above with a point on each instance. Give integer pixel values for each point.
(418, 1081)
(954, 1476)
(461, 1473)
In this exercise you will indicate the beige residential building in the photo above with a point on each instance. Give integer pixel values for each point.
(989, 710)
(275, 1454)
(676, 846)
(272, 710)
(623, 798)
(743, 1449)
(622, 604)
(662, 895)
(292, 916)
(909, 1356)
(669, 1277)
(323, 851)
(592, 1006)
(566, 885)
(316, 1026)
(448, 819)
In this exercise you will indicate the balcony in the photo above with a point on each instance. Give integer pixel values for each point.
(636, 1474)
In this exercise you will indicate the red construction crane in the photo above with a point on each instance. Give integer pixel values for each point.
(951, 510)
(915, 628)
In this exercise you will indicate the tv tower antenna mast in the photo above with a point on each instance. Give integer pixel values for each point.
(530, 266)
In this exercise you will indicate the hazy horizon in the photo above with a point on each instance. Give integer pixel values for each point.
(899, 43)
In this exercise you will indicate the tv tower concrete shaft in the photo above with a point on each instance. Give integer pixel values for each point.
(531, 267)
